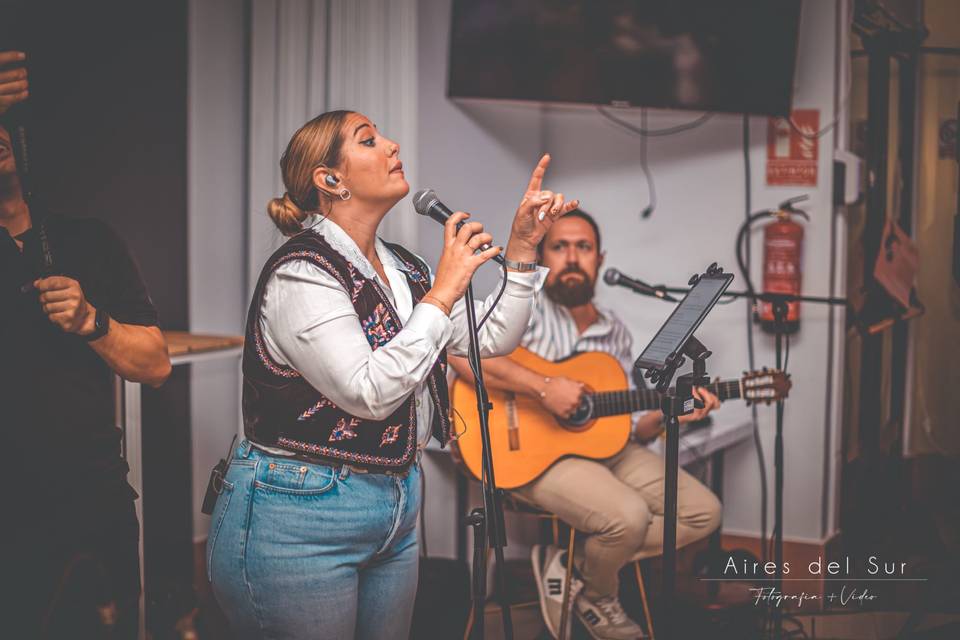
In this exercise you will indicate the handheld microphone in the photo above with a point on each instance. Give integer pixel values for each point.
(615, 278)
(428, 204)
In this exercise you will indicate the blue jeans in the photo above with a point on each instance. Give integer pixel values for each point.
(299, 550)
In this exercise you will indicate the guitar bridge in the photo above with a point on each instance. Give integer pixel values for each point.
(513, 425)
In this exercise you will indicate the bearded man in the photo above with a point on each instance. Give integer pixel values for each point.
(617, 502)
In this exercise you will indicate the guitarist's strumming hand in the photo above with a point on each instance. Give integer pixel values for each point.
(561, 396)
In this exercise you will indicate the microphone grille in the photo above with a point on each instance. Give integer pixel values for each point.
(423, 200)
(611, 276)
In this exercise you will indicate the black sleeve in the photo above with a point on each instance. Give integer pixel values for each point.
(125, 294)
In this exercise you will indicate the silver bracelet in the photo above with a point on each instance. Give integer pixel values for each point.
(519, 266)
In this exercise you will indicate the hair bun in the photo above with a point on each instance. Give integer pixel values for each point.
(286, 215)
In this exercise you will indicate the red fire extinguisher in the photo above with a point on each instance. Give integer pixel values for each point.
(782, 251)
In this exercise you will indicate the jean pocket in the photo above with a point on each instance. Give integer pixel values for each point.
(297, 479)
(216, 521)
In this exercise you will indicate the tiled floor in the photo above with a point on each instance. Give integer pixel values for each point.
(879, 626)
(860, 626)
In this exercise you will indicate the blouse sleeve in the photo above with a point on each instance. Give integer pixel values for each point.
(504, 329)
(309, 323)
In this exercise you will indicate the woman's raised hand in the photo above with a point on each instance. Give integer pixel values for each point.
(538, 210)
(461, 248)
(459, 259)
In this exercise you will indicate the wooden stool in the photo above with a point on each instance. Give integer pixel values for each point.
(643, 597)
(511, 503)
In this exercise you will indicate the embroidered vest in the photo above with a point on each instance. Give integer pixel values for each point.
(281, 409)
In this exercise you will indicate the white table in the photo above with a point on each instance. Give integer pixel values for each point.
(705, 442)
(184, 348)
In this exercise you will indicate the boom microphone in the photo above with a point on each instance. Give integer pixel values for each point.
(428, 204)
(615, 278)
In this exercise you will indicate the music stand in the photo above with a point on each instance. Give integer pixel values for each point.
(666, 353)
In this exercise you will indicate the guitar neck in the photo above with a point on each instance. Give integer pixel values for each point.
(611, 403)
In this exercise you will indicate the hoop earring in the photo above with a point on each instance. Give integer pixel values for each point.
(345, 194)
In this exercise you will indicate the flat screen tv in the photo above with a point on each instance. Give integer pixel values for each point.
(707, 55)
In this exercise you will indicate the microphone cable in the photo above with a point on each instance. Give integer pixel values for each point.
(743, 261)
(644, 133)
(496, 300)
(651, 188)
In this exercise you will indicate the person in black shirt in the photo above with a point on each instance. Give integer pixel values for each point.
(73, 312)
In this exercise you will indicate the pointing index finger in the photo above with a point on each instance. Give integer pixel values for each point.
(536, 179)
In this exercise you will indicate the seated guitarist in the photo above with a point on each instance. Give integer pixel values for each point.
(616, 502)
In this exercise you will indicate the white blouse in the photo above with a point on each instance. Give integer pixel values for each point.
(309, 323)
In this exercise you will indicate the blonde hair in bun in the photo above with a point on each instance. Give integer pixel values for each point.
(286, 215)
(317, 143)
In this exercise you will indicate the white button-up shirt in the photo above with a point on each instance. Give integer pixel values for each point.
(309, 323)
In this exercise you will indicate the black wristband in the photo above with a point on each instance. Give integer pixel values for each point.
(101, 324)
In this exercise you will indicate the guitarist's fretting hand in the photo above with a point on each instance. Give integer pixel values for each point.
(710, 402)
(650, 424)
(561, 396)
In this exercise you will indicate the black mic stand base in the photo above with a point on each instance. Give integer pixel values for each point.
(488, 521)
(674, 404)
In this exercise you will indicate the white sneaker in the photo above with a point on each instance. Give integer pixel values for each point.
(550, 572)
(605, 619)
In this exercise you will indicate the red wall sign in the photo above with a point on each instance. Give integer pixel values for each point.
(792, 157)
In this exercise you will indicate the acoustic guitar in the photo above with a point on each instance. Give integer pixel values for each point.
(526, 440)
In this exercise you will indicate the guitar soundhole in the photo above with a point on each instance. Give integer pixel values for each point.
(583, 414)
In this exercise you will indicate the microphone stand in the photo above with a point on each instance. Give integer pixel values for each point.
(779, 302)
(487, 521)
(674, 404)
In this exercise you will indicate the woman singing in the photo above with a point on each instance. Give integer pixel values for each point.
(314, 533)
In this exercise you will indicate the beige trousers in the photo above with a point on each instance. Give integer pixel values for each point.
(618, 504)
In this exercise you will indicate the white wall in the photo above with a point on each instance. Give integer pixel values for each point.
(311, 56)
(216, 148)
(477, 156)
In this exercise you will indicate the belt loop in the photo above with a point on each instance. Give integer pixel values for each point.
(344, 472)
(243, 449)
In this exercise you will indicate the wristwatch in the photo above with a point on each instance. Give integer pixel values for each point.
(519, 266)
(101, 324)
